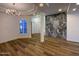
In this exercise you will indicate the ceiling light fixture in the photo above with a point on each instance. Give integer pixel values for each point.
(59, 9)
(18, 12)
(41, 4)
(74, 9)
(10, 11)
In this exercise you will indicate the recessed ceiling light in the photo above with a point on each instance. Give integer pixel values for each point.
(59, 9)
(74, 9)
(41, 4)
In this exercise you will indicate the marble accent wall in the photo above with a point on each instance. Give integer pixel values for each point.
(56, 25)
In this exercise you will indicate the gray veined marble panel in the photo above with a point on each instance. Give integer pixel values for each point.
(56, 25)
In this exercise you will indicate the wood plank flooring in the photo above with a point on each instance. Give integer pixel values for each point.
(33, 47)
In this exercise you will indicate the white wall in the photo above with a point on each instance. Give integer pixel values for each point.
(73, 27)
(9, 28)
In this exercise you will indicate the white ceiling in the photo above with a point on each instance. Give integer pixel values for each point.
(53, 8)
(50, 8)
(72, 6)
(17, 6)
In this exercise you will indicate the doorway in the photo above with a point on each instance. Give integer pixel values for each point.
(35, 25)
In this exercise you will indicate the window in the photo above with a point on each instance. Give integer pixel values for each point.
(23, 26)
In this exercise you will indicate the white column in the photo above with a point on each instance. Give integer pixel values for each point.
(42, 33)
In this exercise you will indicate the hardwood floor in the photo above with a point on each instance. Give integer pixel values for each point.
(33, 47)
